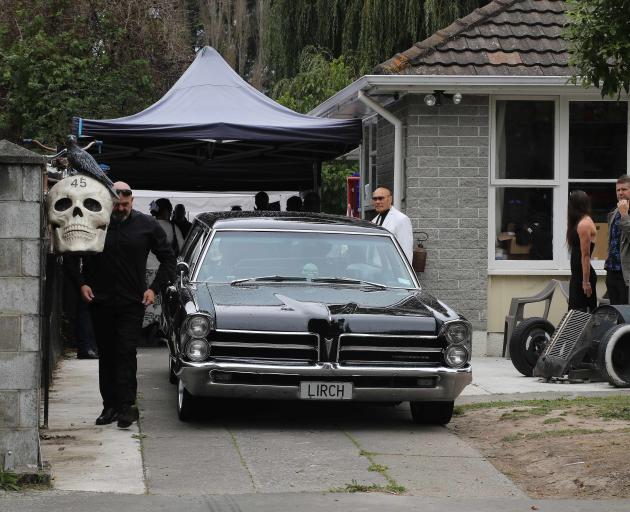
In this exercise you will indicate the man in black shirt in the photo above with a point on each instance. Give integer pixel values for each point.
(113, 283)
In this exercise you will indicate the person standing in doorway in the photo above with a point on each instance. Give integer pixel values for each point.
(180, 220)
(395, 221)
(113, 283)
(581, 235)
(618, 262)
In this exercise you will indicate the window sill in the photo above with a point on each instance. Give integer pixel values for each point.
(536, 272)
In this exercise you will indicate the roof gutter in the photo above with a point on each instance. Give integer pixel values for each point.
(480, 84)
(398, 152)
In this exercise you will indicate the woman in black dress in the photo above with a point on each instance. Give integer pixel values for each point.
(581, 234)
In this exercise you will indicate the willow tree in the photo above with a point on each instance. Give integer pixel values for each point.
(370, 30)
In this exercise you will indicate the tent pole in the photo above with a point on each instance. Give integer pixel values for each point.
(316, 183)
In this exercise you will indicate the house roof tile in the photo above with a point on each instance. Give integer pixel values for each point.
(517, 37)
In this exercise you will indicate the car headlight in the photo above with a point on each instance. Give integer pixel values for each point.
(197, 349)
(198, 326)
(457, 332)
(456, 356)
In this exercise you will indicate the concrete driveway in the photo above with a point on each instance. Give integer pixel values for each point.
(244, 448)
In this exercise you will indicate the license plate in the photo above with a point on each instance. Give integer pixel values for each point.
(313, 390)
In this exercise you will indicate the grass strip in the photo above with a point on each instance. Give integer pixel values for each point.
(615, 407)
(392, 486)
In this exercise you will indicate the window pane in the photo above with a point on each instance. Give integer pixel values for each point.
(603, 200)
(525, 139)
(524, 224)
(597, 139)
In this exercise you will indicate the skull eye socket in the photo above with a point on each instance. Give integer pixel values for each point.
(92, 204)
(63, 204)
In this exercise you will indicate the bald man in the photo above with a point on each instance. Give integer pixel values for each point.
(113, 284)
(395, 221)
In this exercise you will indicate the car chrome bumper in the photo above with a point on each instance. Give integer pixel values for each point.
(448, 382)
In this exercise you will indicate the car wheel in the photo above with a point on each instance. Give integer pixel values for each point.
(528, 342)
(172, 378)
(186, 403)
(431, 413)
(613, 356)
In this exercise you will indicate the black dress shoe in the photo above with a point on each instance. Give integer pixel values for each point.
(109, 415)
(128, 416)
(88, 354)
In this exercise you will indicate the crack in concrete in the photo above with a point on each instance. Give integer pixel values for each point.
(242, 458)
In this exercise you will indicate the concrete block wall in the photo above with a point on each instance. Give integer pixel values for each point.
(447, 197)
(21, 174)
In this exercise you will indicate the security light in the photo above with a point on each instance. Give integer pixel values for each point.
(430, 100)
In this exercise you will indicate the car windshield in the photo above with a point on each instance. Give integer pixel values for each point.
(315, 257)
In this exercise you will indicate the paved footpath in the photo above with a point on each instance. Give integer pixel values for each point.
(262, 454)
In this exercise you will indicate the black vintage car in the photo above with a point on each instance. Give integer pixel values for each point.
(309, 307)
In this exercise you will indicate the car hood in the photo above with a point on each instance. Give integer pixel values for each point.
(315, 308)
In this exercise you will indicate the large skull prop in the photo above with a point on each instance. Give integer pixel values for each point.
(79, 208)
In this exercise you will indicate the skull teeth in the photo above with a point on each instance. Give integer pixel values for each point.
(74, 232)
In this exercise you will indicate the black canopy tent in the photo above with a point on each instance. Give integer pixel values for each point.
(214, 131)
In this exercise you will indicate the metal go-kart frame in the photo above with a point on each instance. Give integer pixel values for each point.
(582, 347)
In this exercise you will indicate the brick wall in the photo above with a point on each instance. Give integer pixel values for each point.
(20, 201)
(447, 197)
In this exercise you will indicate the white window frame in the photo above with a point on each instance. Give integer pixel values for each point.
(560, 264)
(494, 183)
(566, 180)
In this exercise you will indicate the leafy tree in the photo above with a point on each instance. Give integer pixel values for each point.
(60, 58)
(599, 44)
(334, 176)
(319, 77)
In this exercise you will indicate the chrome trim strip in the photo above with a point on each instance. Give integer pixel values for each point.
(413, 336)
(329, 369)
(261, 345)
(368, 348)
(245, 331)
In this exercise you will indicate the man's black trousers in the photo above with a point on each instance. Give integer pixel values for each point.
(616, 286)
(117, 330)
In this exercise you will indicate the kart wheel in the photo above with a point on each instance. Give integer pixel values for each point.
(431, 413)
(528, 342)
(613, 356)
(186, 403)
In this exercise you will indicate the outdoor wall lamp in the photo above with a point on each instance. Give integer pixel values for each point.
(437, 97)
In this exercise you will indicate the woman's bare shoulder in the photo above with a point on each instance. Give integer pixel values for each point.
(586, 225)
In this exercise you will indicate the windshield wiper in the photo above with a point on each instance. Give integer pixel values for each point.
(348, 280)
(277, 279)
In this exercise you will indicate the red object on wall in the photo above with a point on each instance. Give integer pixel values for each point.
(353, 189)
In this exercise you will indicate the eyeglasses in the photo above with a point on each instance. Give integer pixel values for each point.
(379, 198)
(123, 192)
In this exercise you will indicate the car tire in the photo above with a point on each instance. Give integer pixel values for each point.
(172, 377)
(186, 403)
(431, 413)
(613, 356)
(528, 342)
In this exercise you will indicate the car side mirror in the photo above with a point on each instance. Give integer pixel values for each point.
(182, 270)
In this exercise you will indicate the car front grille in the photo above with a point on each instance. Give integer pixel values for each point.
(389, 350)
(265, 346)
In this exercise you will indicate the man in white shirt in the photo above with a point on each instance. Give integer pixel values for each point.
(395, 221)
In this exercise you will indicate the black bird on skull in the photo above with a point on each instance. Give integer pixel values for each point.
(82, 162)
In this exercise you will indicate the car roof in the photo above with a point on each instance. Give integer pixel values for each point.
(288, 221)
